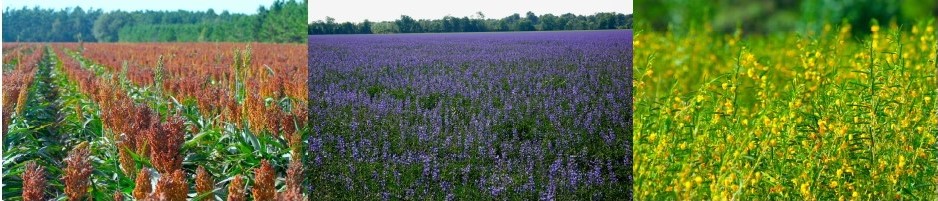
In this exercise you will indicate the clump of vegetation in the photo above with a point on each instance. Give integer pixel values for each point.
(821, 116)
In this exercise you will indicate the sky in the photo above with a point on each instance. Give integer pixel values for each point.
(242, 6)
(377, 10)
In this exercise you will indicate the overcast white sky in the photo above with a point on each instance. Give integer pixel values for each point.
(359, 10)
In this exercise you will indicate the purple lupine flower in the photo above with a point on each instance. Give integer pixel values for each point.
(550, 192)
(448, 190)
(595, 173)
(456, 101)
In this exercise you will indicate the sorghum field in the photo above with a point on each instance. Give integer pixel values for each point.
(815, 116)
(167, 121)
(471, 116)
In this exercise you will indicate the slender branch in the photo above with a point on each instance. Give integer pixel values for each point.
(872, 80)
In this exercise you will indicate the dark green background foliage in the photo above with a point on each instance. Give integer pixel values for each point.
(477, 23)
(778, 16)
(281, 22)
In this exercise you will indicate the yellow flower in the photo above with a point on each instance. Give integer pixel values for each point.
(822, 126)
(749, 58)
(805, 188)
(901, 162)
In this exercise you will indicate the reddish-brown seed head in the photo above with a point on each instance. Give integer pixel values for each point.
(204, 184)
(264, 178)
(236, 189)
(142, 188)
(34, 182)
(77, 171)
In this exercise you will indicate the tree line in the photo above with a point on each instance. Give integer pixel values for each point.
(780, 16)
(476, 23)
(282, 22)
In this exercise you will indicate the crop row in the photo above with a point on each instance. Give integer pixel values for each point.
(16, 81)
(124, 135)
(236, 85)
(35, 134)
(142, 117)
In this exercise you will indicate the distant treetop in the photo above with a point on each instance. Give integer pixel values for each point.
(531, 22)
(281, 22)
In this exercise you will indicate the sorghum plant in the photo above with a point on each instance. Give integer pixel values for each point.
(34, 182)
(264, 178)
(78, 169)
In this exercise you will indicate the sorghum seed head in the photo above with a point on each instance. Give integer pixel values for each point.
(236, 189)
(142, 188)
(77, 171)
(264, 178)
(292, 194)
(172, 187)
(34, 182)
(118, 196)
(295, 174)
(204, 184)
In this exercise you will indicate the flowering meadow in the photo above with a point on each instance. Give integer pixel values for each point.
(471, 116)
(798, 116)
(167, 121)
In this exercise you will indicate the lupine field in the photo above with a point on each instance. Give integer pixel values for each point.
(822, 115)
(168, 121)
(471, 116)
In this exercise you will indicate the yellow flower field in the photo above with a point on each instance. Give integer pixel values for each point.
(811, 116)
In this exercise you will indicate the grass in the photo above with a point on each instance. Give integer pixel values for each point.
(813, 116)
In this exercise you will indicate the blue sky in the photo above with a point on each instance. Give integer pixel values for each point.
(239, 6)
(376, 10)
